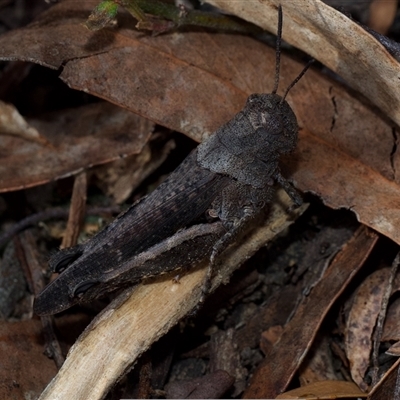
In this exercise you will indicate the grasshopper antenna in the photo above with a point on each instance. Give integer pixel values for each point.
(297, 79)
(278, 50)
(278, 59)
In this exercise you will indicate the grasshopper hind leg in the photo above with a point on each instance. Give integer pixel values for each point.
(237, 205)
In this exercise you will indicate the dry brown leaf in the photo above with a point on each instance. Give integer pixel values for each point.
(80, 138)
(361, 322)
(275, 372)
(344, 182)
(394, 350)
(325, 390)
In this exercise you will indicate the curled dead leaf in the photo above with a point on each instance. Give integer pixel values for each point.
(361, 322)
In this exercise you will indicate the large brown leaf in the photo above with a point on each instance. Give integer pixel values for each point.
(174, 79)
(195, 81)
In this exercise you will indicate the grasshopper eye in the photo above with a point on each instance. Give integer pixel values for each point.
(273, 126)
(82, 288)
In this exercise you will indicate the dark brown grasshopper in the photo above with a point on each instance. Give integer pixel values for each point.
(231, 175)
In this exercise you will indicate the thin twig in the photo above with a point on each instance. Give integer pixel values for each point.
(77, 211)
(397, 385)
(51, 213)
(146, 370)
(27, 254)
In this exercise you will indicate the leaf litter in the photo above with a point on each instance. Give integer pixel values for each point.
(346, 155)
